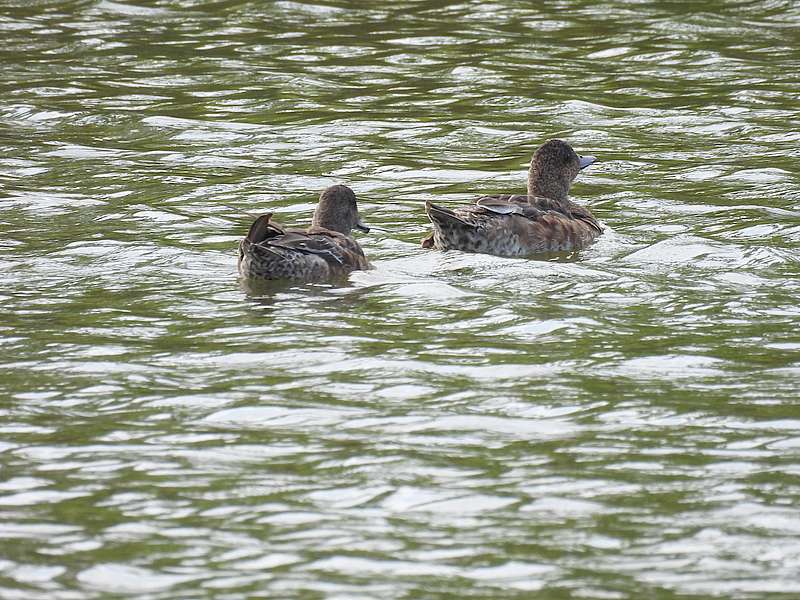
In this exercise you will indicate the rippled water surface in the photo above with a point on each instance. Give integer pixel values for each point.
(618, 423)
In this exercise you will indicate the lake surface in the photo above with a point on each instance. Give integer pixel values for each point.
(622, 422)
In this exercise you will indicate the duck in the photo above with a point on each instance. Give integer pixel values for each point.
(541, 221)
(320, 253)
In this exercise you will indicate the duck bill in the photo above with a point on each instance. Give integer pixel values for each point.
(361, 227)
(585, 161)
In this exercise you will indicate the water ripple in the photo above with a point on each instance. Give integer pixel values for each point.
(620, 422)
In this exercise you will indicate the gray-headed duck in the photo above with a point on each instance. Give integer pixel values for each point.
(544, 220)
(324, 251)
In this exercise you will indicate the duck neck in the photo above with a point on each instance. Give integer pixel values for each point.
(547, 186)
(323, 218)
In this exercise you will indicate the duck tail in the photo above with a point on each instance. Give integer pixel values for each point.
(439, 215)
(262, 229)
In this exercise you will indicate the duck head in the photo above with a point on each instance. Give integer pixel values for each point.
(337, 211)
(553, 167)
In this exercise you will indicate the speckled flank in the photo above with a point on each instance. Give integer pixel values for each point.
(278, 263)
(513, 235)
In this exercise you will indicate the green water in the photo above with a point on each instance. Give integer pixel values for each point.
(621, 423)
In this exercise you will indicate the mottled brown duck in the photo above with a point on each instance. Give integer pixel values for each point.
(544, 220)
(323, 252)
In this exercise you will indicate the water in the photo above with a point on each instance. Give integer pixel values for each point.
(619, 423)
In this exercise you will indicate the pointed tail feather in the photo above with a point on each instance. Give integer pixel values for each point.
(258, 230)
(262, 229)
(440, 215)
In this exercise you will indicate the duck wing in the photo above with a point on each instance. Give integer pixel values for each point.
(486, 210)
(326, 247)
(568, 209)
(499, 206)
(508, 205)
(337, 249)
(582, 214)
